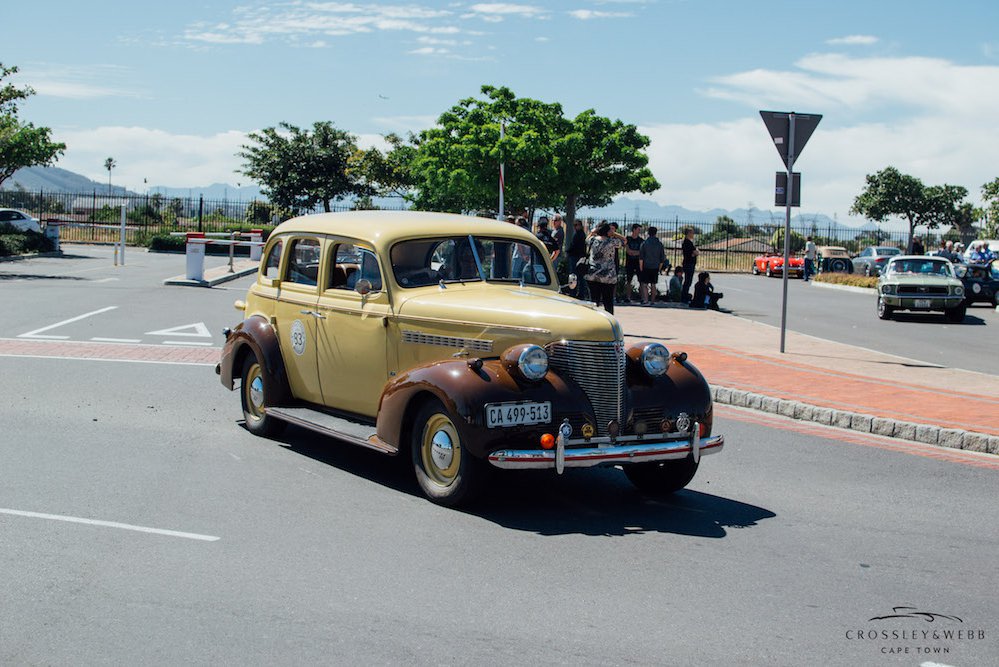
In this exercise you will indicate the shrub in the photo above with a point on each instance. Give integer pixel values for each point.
(16, 242)
(851, 279)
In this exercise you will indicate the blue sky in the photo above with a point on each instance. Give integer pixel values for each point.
(171, 89)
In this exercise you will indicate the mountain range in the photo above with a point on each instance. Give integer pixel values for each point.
(56, 180)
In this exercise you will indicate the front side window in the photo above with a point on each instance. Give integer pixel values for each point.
(303, 262)
(422, 262)
(352, 264)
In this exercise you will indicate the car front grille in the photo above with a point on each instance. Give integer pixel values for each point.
(599, 369)
(916, 290)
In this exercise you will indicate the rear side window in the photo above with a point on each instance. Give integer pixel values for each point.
(273, 261)
(303, 262)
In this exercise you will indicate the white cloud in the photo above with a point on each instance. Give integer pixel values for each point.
(405, 123)
(77, 82)
(853, 40)
(587, 14)
(497, 11)
(430, 51)
(162, 158)
(295, 20)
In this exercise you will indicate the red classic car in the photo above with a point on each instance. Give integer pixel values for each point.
(772, 264)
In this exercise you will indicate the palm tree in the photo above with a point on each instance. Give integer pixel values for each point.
(110, 164)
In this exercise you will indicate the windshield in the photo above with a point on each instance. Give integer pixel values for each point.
(461, 259)
(887, 251)
(921, 266)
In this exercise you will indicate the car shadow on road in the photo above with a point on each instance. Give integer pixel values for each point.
(595, 501)
(933, 318)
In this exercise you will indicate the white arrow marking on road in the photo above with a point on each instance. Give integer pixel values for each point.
(200, 330)
(34, 334)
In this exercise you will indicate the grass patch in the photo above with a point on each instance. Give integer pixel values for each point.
(847, 279)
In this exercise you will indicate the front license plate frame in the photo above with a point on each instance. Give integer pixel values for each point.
(923, 303)
(519, 413)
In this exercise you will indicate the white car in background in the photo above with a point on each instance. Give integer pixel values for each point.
(993, 246)
(20, 220)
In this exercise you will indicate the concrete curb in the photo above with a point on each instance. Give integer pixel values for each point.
(845, 288)
(15, 258)
(924, 433)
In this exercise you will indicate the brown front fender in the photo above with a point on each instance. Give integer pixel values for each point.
(256, 336)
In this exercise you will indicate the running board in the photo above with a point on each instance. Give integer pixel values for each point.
(354, 432)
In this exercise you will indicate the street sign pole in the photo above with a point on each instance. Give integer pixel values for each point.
(787, 227)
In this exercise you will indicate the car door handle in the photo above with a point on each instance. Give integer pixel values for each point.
(318, 316)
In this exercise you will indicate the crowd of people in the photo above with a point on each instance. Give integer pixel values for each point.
(602, 259)
(956, 252)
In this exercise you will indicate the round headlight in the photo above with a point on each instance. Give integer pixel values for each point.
(533, 362)
(958, 290)
(887, 289)
(655, 359)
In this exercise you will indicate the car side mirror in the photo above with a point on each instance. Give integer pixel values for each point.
(363, 286)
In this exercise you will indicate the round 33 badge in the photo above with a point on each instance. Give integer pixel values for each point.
(298, 337)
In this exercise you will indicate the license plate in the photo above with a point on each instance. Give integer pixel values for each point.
(922, 303)
(501, 415)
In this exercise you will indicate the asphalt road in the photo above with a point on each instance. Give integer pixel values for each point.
(849, 317)
(783, 544)
(141, 524)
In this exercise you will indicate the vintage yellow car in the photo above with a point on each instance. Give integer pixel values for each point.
(446, 338)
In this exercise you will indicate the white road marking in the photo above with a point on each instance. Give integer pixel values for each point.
(234, 456)
(183, 342)
(105, 280)
(117, 340)
(200, 331)
(110, 524)
(34, 334)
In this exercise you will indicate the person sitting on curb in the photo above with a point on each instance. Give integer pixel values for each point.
(675, 292)
(704, 293)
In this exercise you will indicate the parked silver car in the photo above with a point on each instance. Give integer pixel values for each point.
(872, 259)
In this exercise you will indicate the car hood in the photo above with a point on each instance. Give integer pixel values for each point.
(919, 279)
(528, 314)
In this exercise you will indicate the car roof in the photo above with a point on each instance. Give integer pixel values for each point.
(384, 228)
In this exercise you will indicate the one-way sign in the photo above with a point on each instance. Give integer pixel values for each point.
(778, 124)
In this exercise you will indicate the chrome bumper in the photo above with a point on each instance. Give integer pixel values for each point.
(632, 450)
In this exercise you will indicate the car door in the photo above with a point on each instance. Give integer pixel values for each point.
(296, 316)
(355, 357)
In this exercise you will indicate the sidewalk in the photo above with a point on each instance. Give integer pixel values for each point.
(827, 382)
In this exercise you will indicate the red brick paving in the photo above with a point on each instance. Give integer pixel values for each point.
(63, 349)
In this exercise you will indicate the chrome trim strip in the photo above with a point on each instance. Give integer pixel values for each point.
(479, 325)
(521, 459)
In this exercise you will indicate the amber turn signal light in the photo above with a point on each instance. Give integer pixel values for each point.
(702, 429)
(547, 441)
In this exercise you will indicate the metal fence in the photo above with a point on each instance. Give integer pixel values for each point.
(95, 217)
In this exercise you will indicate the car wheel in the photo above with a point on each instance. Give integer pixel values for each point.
(956, 315)
(447, 474)
(884, 310)
(837, 265)
(867, 270)
(756, 269)
(661, 478)
(251, 393)
(770, 271)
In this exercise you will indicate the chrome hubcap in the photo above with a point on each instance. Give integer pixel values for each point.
(442, 450)
(257, 393)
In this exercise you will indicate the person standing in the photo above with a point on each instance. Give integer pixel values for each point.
(917, 246)
(558, 236)
(545, 236)
(631, 262)
(690, 253)
(602, 277)
(651, 260)
(810, 252)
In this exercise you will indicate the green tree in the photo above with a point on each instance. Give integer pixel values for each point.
(110, 164)
(724, 228)
(891, 193)
(990, 193)
(550, 161)
(21, 144)
(298, 169)
(797, 241)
